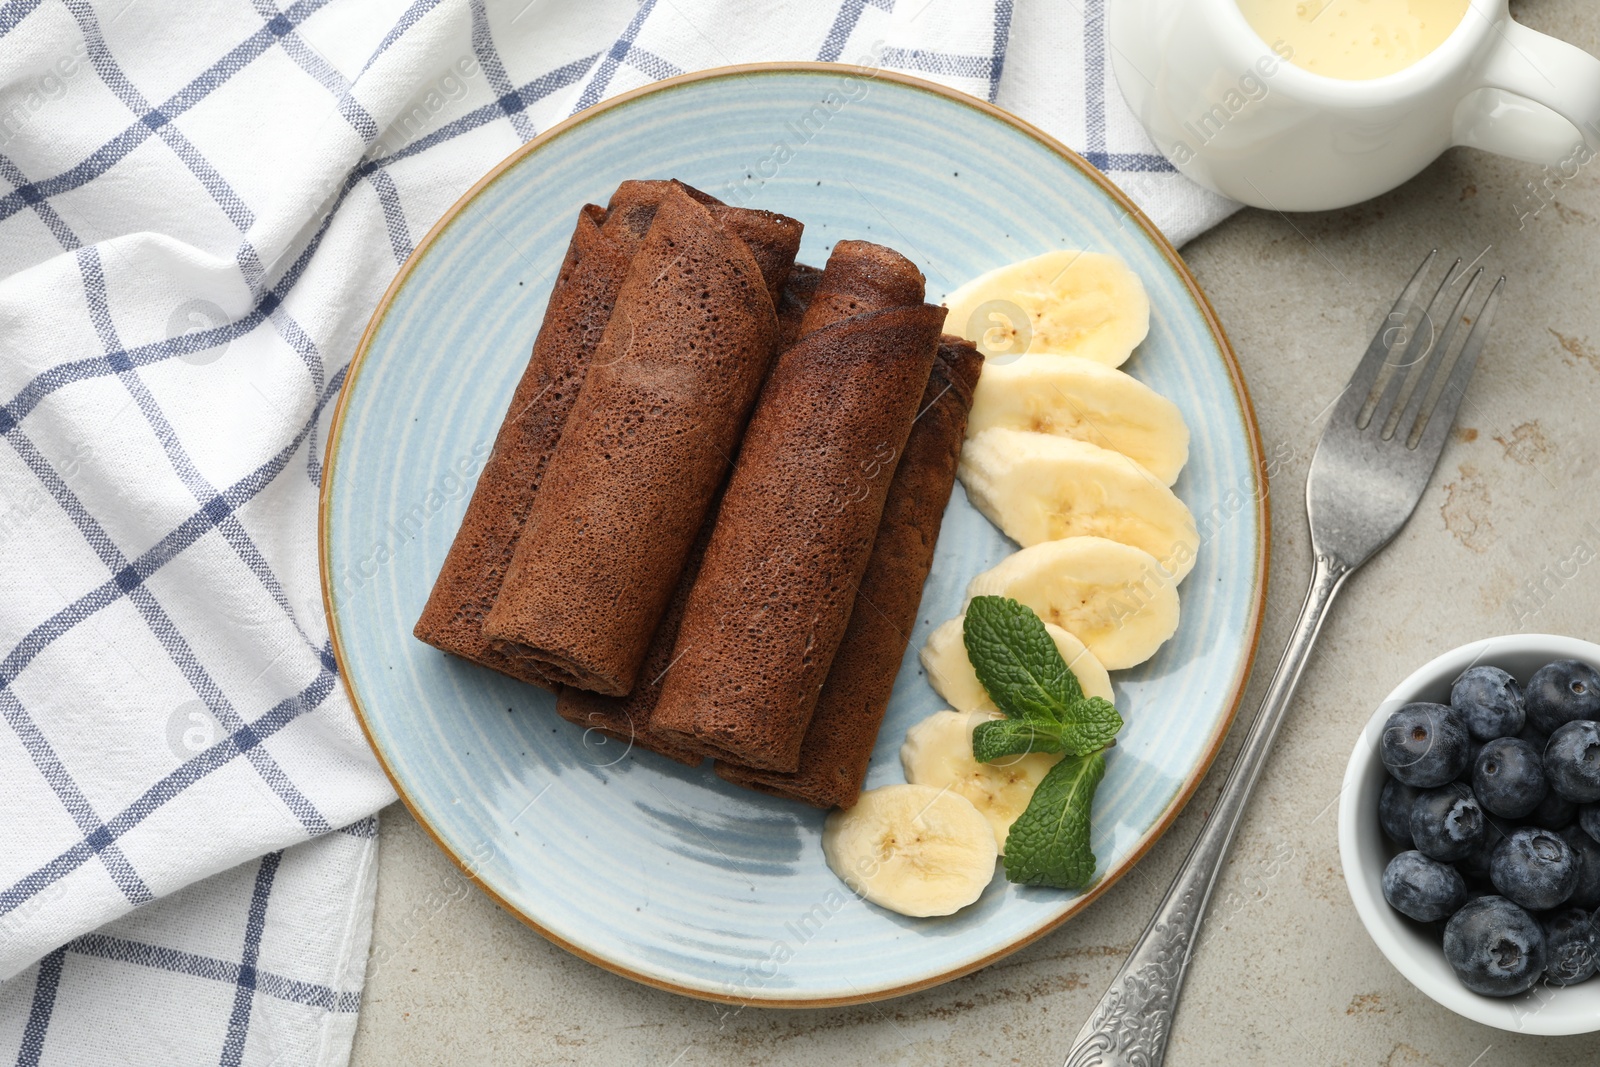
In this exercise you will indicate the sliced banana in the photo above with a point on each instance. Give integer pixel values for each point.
(1115, 598)
(914, 849)
(950, 672)
(938, 753)
(1067, 302)
(1074, 397)
(1038, 487)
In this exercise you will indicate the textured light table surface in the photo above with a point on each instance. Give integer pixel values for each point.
(1284, 972)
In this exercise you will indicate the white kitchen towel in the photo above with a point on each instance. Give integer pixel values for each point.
(200, 204)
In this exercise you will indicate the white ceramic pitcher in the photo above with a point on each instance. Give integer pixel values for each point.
(1235, 116)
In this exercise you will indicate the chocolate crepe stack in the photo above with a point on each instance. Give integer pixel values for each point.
(844, 728)
(800, 516)
(595, 557)
(647, 444)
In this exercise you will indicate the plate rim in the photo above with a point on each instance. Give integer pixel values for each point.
(1262, 515)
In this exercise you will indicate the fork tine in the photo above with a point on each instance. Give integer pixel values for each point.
(1360, 387)
(1434, 423)
(1420, 346)
(1420, 397)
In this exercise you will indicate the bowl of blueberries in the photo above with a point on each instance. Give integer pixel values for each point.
(1469, 829)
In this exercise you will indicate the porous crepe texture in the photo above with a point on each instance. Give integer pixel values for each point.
(628, 719)
(844, 728)
(862, 277)
(647, 444)
(596, 263)
(793, 301)
(797, 523)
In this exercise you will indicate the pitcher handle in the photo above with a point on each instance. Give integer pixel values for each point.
(1538, 100)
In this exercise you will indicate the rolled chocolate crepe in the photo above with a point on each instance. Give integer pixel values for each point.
(793, 301)
(580, 304)
(797, 523)
(647, 444)
(628, 719)
(844, 728)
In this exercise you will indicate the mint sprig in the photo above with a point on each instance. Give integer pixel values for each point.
(1016, 660)
(1091, 725)
(1049, 842)
(1013, 737)
(1023, 672)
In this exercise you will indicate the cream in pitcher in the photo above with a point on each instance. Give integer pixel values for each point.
(1355, 38)
(1372, 92)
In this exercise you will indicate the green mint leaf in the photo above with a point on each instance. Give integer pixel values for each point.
(1049, 842)
(1023, 672)
(1017, 663)
(999, 738)
(1092, 724)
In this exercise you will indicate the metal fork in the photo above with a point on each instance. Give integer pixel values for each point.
(1372, 463)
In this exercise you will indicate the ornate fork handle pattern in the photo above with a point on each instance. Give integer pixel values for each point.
(1131, 1024)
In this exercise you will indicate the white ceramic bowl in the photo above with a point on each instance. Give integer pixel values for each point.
(1365, 850)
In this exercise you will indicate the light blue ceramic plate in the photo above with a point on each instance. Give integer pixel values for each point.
(665, 874)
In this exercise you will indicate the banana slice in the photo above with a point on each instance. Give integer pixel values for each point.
(938, 753)
(1039, 487)
(950, 672)
(914, 849)
(1075, 397)
(1067, 302)
(1114, 598)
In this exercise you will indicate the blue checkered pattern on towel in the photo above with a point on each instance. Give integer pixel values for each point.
(199, 206)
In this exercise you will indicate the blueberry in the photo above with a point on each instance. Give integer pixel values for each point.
(1474, 750)
(1424, 745)
(1573, 946)
(1537, 738)
(1572, 761)
(1555, 812)
(1495, 947)
(1587, 892)
(1498, 829)
(1394, 810)
(1508, 778)
(1474, 866)
(1446, 823)
(1534, 868)
(1561, 692)
(1589, 819)
(1424, 889)
(1489, 702)
(1501, 827)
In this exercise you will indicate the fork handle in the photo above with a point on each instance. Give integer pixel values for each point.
(1131, 1024)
